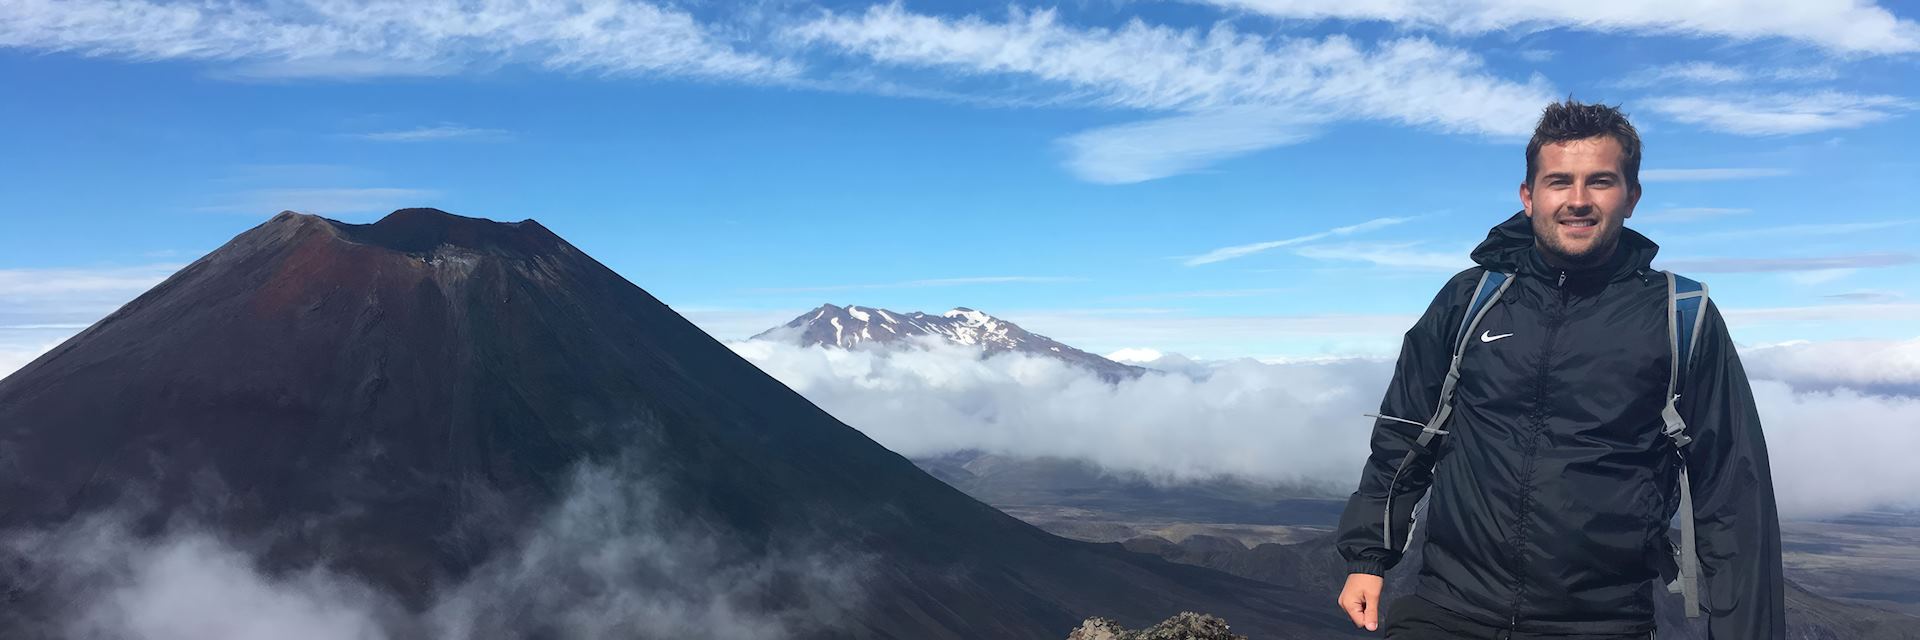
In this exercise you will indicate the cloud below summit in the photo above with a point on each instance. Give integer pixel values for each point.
(609, 561)
(1300, 422)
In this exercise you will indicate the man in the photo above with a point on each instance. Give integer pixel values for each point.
(1551, 491)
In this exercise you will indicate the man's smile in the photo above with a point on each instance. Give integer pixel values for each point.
(1579, 227)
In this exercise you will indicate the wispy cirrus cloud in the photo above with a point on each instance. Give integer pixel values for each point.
(1240, 251)
(40, 307)
(1713, 73)
(1145, 66)
(1766, 265)
(286, 173)
(311, 38)
(1239, 335)
(444, 131)
(1687, 214)
(1819, 277)
(326, 201)
(19, 285)
(336, 68)
(1141, 151)
(1867, 295)
(1781, 113)
(1801, 230)
(1825, 313)
(1228, 92)
(928, 282)
(1537, 55)
(735, 323)
(1206, 294)
(1851, 27)
(1696, 72)
(1406, 255)
(1712, 175)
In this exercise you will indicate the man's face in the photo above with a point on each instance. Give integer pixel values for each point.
(1579, 200)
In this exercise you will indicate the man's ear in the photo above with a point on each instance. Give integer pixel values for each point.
(1526, 198)
(1633, 200)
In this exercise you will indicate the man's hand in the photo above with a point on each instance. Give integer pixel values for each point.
(1361, 600)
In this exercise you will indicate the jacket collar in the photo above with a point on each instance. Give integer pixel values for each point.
(1509, 247)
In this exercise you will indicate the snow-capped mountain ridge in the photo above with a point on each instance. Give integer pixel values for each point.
(853, 325)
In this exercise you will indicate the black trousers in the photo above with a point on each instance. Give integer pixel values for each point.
(1414, 618)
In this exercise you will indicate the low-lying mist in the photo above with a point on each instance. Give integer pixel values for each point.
(1301, 422)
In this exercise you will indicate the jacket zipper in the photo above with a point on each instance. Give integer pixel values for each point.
(1555, 318)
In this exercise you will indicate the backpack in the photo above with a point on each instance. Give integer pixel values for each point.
(1686, 299)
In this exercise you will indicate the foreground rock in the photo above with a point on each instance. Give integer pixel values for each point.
(1186, 626)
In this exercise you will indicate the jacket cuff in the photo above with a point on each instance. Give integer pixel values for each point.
(1369, 567)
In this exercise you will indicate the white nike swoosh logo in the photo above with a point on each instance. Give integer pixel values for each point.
(1485, 337)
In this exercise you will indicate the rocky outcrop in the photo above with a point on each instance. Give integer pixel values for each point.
(1186, 626)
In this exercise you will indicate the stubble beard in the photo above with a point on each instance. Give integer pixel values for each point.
(1550, 243)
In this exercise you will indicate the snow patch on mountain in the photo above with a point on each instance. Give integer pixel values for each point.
(855, 327)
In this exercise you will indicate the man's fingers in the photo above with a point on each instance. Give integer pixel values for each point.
(1361, 600)
(1356, 610)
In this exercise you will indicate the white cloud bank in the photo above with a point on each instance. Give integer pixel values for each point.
(1246, 419)
(1301, 422)
(610, 561)
(1839, 363)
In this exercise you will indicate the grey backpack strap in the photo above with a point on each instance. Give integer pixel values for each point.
(1491, 285)
(1686, 303)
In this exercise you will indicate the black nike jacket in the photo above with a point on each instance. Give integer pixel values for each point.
(1551, 497)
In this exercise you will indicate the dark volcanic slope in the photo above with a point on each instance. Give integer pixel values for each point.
(400, 400)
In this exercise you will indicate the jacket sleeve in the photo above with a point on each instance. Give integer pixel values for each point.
(1425, 352)
(1736, 524)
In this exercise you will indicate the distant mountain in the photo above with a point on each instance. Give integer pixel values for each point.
(408, 404)
(846, 327)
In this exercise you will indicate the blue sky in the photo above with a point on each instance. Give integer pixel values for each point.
(1268, 178)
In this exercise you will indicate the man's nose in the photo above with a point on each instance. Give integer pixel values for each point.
(1580, 199)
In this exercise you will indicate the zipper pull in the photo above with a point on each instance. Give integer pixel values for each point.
(1563, 280)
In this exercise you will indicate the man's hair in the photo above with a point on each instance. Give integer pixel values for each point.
(1564, 121)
